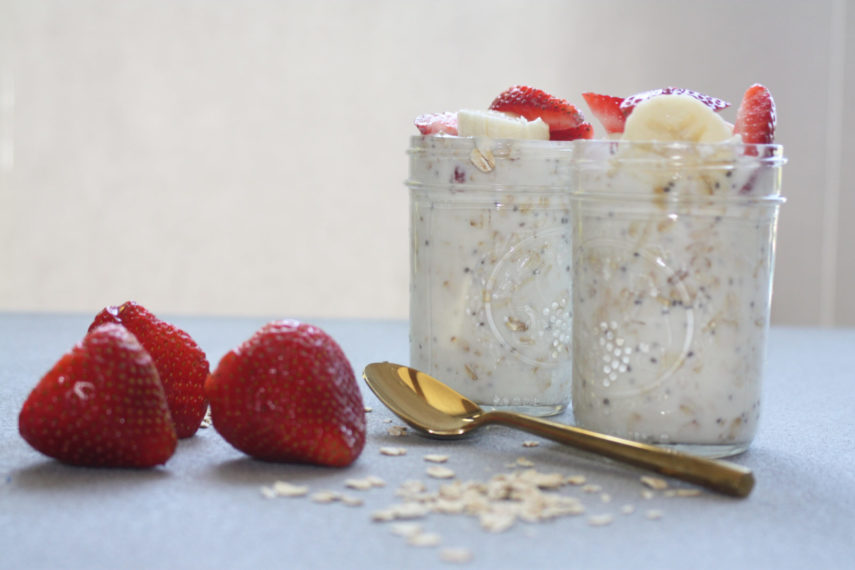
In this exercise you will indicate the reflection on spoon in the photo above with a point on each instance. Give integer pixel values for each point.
(433, 408)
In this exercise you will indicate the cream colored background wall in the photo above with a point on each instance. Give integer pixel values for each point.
(247, 157)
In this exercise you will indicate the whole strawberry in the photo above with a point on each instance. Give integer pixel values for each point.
(289, 394)
(101, 405)
(180, 362)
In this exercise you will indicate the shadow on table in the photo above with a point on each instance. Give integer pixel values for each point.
(49, 475)
(249, 471)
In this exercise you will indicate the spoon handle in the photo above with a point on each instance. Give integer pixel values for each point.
(721, 476)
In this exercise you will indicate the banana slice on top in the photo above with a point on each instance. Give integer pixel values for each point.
(671, 118)
(499, 125)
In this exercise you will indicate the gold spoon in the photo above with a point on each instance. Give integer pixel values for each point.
(431, 407)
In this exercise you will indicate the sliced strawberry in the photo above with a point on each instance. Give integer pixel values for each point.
(606, 109)
(437, 123)
(583, 131)
(632, 101)
(101, 405)
(181, 364)
(559, 114)
(756, 117)
(289, 394)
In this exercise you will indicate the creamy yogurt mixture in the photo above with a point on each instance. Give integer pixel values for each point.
(672, 282)
(490, 299)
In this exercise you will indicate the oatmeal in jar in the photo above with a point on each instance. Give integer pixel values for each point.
(490, 295)
(673, 262)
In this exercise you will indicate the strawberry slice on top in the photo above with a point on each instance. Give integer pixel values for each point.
(606, 108)
(629, 103)
(612, 112)
(563, 118)
(583, 131)
(437, 123)
(756, 118)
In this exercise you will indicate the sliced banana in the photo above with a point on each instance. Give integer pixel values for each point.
(498, 125)
(670, 118)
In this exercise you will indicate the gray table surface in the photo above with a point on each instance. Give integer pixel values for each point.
(204, 508)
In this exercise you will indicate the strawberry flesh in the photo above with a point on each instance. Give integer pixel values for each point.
(563, 118)
(756, 117)
(583, 131)
(606, 108)
(181, 364)
(437, 123)
(101, 405)
(288, 394)
(629, 103)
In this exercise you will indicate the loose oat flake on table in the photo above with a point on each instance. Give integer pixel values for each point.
(365, 483)
(440, 472)
(435, 458)
(499, 503)
(655, 483)
(397, 431)
(284, 489)
(455, 555)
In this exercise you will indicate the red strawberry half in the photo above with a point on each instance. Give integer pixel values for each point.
(629, 103)
(101, 405)
(606, 109)
(756, 117)
(563, 118)
(437, 123)
(289, 394)
(583, 131)
(181, 364)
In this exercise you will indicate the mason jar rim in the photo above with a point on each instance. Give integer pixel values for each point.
(445, 145)
(581, 157)
(674, 153)
(767, 153)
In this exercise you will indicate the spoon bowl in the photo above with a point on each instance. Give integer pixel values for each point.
(422, 401)
(434, 409)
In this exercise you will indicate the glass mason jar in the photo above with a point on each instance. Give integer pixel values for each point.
(673, 261)
(490, 296)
